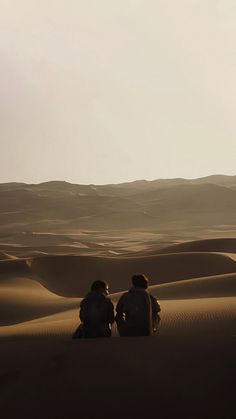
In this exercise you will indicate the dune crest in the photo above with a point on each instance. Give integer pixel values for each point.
(70, 275)
(227, 245)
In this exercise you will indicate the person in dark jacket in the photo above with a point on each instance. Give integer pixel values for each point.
(96, 312)
(137, 310)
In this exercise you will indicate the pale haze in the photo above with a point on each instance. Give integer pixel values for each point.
(109, 91)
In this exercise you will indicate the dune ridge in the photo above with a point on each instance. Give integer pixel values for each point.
(167, 205)
(69, 276)
(205, 287)
(226, 245)
(81, 270)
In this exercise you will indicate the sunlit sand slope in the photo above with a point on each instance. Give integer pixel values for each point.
(23, 299)
(205, 316)
(211, 286)
(62, 323)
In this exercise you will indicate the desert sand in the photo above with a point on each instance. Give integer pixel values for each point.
(187, 370)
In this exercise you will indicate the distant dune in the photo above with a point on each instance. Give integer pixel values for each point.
(212, 245)
(70, 275)
(169, 204)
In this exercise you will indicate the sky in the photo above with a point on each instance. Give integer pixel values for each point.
(110, 91)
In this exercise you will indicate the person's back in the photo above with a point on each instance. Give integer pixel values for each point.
(97, 312)
(137, 310)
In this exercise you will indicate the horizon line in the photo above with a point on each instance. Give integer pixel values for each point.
(116, 183)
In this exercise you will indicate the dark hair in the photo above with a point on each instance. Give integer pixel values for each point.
(140, 281)
(99, 286)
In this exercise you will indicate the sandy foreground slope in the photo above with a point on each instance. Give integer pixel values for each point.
(188, 370)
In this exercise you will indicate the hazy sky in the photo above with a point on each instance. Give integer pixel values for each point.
(106, 91)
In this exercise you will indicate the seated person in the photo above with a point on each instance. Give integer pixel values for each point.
(137, 310)
(96, 313)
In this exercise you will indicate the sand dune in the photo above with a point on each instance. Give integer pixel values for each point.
(23, 251)
(62, 321)
(227, 245)
(70, 275)
(215, 316)
(23, 299)
(211, 286)
(16, 267)
(41, 286)
(197, 317)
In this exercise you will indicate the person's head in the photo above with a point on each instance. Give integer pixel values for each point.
(140, 281)
(100, 286)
